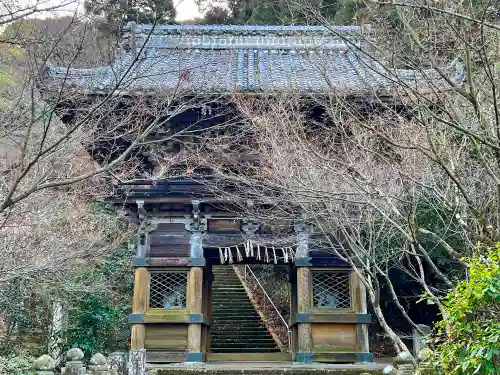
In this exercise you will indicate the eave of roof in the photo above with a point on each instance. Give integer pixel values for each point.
(179, 59)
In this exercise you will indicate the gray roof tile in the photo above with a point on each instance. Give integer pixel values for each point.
(221, 59)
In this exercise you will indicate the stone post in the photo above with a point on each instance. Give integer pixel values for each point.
(389, 370)
(74, 363)
(137, 362)
(54, 344)
(117, 362)
(420, 340)
(45, 365)
(404, 364)
(98, 365)
(425, 366)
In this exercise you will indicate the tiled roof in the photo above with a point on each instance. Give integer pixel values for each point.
(222, 59)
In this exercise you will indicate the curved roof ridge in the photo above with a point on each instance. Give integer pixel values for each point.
(238, 29)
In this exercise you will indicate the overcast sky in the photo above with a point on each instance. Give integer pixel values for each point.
(186, 9)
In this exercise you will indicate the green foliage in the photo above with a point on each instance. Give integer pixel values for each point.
(111, 16)
(93, 325)
(472, 321)
(98, 323)
(17, 365)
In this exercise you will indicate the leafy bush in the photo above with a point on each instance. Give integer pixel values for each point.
(93, 325)
(472, 321)
(98, 322)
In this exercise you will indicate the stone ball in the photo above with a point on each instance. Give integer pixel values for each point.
(98, 360)
(405, 356)
(75, 354)
(45, 362)
(424, 355)
(389, 370)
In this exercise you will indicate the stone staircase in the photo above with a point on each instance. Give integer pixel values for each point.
(236, 325)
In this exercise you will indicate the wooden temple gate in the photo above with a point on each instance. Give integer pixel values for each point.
(183, 232)
(172, 305)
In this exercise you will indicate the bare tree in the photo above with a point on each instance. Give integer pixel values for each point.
(406, 178)
(62, 144)
(11, 11)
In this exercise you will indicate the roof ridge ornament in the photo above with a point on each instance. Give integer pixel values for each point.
(240, 36)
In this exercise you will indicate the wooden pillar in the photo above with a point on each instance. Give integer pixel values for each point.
(139, 306)
(359, 306)
(207, 297)
(292, 277)
(194, 304)
(304, 339)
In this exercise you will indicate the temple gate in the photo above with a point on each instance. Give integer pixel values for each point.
(184, 230)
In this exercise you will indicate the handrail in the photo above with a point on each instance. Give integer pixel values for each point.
(270, 300)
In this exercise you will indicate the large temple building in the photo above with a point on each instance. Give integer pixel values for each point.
(186, 232)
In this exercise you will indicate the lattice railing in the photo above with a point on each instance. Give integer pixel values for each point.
(331, 290)
(167, 289)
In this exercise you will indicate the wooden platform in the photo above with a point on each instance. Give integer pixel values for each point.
(266, 368)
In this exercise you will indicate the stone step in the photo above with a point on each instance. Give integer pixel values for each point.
(260, 331)
(246, 350)
(218, 277)
(230, 300)
(232, 305)
(241, 310)
(241, 323)
(228, 284)
(243, 347)
(237, 317)
(216, 326)
(227, 291)
(233, 318)
(254, 357)
(236, 325)
(243, 341)
(242, 334)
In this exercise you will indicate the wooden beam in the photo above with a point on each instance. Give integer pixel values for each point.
(168, 261)
(207, 306)
(359, 305)
(194, 305)
(304, 306)
(137, 336)
(139, 306)
(331, 317)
